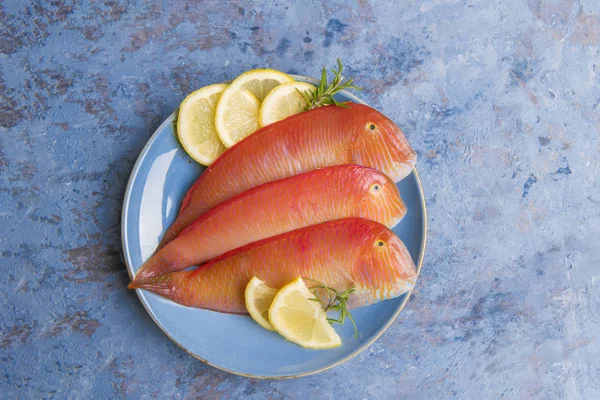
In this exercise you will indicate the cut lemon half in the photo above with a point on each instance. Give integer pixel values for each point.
(236, 115)
(283, 101)
(196, 124)
(259, 297)
(301, 320)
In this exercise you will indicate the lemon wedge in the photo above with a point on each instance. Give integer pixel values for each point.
(237, 113)
(196, 127)
(259, 297)
(283, 101)
(301, 320)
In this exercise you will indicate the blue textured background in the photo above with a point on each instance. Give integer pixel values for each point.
(501, 99)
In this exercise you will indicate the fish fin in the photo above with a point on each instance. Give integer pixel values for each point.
(142, 274)
(336, 273)
(158, 264)
(163, 285)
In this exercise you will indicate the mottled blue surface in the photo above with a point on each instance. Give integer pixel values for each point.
(501, 99)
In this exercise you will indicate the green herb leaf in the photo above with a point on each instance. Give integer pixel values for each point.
(332, 300)
(323, 94)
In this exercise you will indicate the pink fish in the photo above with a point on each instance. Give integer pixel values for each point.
(352, 252)
(314, 139)
(276, 207)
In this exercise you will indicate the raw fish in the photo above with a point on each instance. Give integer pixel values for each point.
(351, 252)
(313, 139)
(276, 207)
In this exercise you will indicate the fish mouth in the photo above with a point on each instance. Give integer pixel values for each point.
(401, 287)
(404, 286)
(395, 220)
(403, 169)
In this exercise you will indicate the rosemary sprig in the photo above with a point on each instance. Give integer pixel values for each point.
(323, 94)
(335, 301)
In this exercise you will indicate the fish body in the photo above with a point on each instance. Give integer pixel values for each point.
(341, 254)
(276, 207)
(314, 139)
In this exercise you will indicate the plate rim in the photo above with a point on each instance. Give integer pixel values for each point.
(126, 254)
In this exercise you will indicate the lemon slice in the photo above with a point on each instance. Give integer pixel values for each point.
(236, 115)
(283, 101)
(195, 124)
(239, 119)
(301, 320)
(258, 300)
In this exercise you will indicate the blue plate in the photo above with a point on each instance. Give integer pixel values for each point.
(160, 178)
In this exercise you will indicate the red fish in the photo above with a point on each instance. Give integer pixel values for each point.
(276, 207)
(314, 139)
(351, 252)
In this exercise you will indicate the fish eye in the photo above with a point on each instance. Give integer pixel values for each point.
(376, 187)
(380, 243)
(371, 126)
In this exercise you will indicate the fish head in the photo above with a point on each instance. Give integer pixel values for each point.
(384, 270)
(380, 199)
(379, 143)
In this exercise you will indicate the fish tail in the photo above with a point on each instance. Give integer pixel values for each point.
(175, 286)
(167, 286)
(159, 264)
(149, 270)
(161, 285)
(143, 273)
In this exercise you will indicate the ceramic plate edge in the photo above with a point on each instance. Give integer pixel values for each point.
(130, 271)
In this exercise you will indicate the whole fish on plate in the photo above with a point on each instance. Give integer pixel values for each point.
(314, 139)
(341, 254)
(276, 207)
